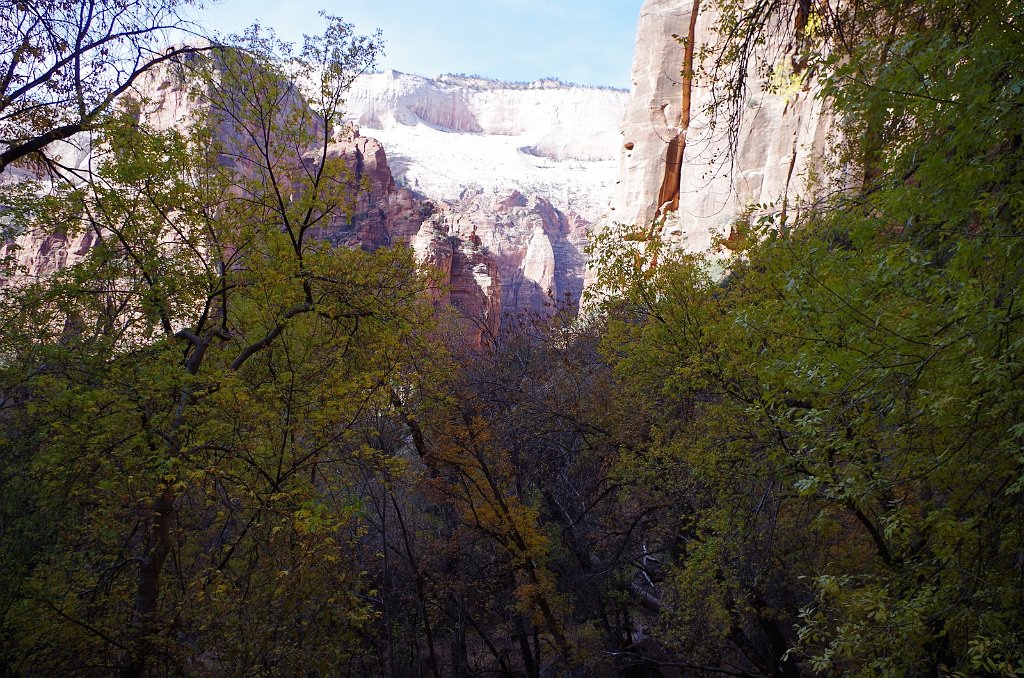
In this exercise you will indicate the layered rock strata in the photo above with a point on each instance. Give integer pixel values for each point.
(538, 248)
(527, 167)
(494, 183)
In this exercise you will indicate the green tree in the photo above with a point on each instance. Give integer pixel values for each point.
(198, 390)
(841, 405)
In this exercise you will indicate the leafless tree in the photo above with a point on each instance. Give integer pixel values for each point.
(63, 62)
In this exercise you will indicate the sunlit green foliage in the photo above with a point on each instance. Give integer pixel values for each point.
(187, 404)
(843, 430)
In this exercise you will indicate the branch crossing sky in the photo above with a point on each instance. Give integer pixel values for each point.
(588, 42)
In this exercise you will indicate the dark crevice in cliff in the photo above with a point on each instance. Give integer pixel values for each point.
(668, 196)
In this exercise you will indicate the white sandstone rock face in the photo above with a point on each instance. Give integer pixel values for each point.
(452, 133)
(522, 168)
(537, 248)
(782, 138)
(39, 257)
(538, 262)
(468, 277)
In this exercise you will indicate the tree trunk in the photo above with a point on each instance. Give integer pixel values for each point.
(147, 596)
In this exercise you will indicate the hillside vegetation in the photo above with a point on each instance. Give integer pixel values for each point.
(228, 448)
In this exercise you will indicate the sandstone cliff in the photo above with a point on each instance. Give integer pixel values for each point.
(527, 167)
(494, 183)
(781, 140)
(538, 249)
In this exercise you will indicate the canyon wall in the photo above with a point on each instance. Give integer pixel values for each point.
(499, 183)
(526, 168)
(781, 140)
(495, 184)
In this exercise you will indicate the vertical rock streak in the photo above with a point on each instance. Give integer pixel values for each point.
(668, 195)
(680, 179)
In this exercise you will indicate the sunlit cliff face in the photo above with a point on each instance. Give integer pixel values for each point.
(447, 134)
(778, 146)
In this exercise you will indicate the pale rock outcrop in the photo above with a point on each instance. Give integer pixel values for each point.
(38, 257)
(538, 248)
(447, 134)
(569, 116)
(467, 278)
(781, 141)
(524, 167)
(539, 262)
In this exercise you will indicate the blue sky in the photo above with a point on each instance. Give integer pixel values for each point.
(584, 41)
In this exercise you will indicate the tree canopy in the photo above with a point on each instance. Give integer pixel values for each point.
(229, 447)
(63, 64)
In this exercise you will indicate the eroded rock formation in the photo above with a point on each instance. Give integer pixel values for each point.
(527, 167)
(495, 184)
(538, 248)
